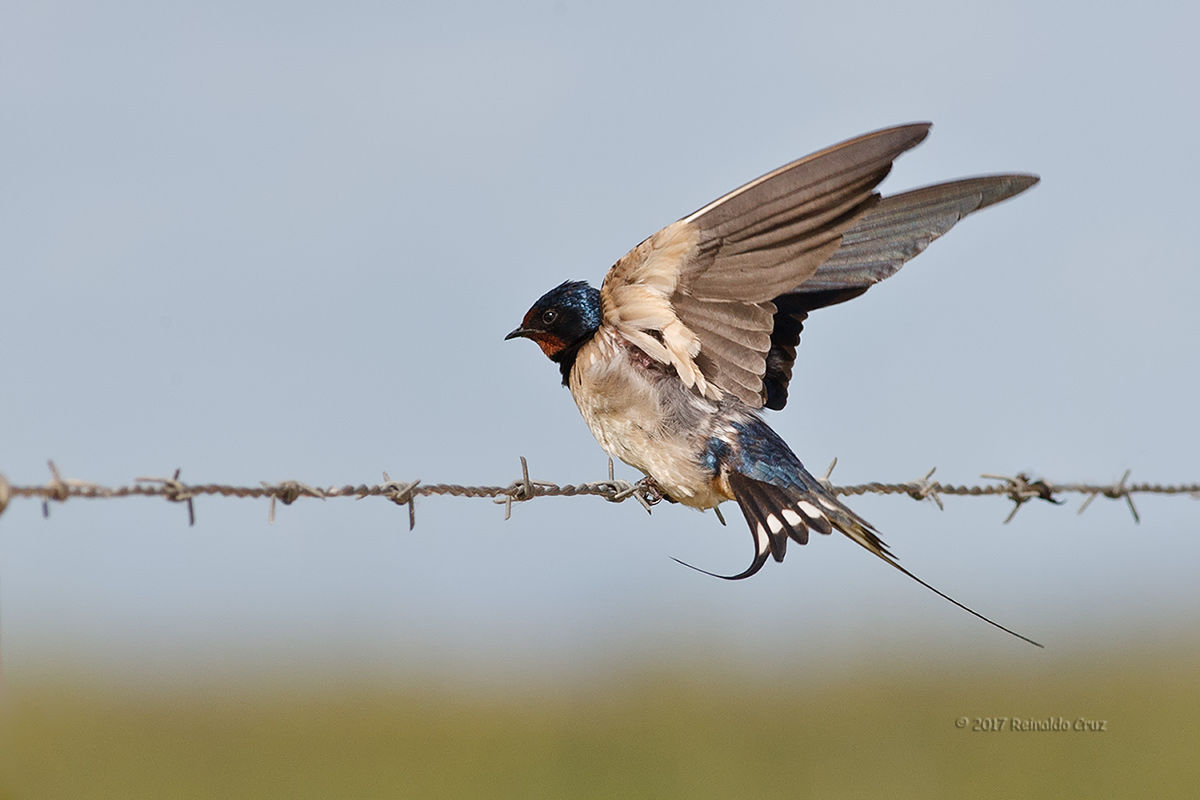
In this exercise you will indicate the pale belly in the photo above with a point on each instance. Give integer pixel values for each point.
(624, 410)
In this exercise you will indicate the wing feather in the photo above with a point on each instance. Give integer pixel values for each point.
(901, 226)
(768, 236)
(887, 236)
(731, 378)
(725, 349)
(785, 338)
(805, 180)
(698, 294)
(783, 223)
(748, 324)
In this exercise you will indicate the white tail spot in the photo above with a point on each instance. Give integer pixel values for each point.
(809, 509)
(792, 518)
(774, 524)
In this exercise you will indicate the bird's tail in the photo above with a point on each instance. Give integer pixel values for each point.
(776, 514)
(781, 500)
(778, 496)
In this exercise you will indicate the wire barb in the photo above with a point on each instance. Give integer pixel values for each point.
(1113, 492)
(825, 481)
(175, 492)
(56, 489)
(922, 489)
(59, 490)
(399, 493)
(288, 492)
(1021, 490)
(521, 490)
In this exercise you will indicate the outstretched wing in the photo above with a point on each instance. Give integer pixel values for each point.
(697, 294)
(895, 230)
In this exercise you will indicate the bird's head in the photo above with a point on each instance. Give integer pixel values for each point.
(562, 319)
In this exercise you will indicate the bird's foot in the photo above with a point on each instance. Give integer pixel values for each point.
(651, 492)
(646, 491)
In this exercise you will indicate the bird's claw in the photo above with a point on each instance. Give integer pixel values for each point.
(650, 491)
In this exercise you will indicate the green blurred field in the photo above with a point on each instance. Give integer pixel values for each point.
(657, 732)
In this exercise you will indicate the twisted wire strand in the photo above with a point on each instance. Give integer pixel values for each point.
(1019, 489)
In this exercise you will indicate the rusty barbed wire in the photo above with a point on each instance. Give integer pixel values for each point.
(1019, 489)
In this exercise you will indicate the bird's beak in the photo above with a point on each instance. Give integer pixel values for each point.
(519, 332)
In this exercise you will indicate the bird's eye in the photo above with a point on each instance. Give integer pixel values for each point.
(549, 316)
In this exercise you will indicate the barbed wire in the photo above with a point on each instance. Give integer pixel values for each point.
(1019, 489)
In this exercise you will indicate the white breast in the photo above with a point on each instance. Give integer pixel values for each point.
(635, 415)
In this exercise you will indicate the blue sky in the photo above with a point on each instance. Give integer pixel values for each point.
(273, 241)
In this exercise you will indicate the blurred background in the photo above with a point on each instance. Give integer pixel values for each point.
(278, 241)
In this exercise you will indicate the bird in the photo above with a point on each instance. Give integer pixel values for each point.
(693, 333)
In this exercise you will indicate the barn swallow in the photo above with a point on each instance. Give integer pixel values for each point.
(694, 331)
